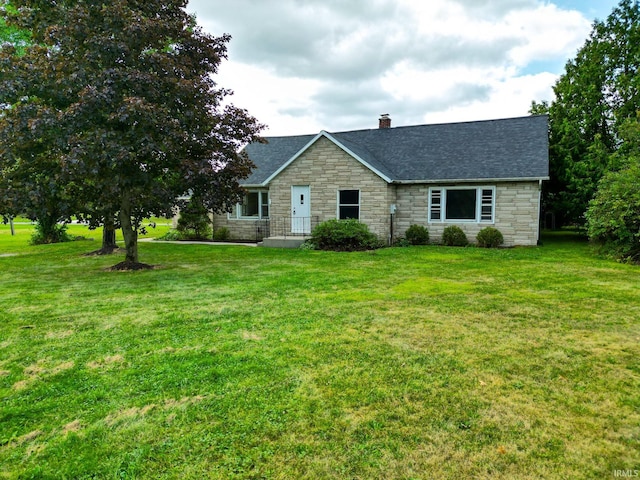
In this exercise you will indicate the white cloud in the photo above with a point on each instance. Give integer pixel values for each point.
(305, 65)
(281, 100)
(550, 32)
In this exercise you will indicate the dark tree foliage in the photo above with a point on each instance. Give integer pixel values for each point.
(45, 206)
(116, 104)
(30, 188)
(598, 92)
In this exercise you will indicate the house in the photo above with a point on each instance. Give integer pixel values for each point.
(471, 174)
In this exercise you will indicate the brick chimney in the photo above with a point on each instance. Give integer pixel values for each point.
(385, 121)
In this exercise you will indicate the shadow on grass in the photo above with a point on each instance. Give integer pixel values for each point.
(565, 235)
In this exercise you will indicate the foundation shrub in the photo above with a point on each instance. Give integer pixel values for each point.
(489, 237)
(344, 236)
(417, 235)
(453, 236)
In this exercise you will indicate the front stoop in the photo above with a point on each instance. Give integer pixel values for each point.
(282, 242)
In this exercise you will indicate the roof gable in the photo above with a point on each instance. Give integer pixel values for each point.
(508, 149)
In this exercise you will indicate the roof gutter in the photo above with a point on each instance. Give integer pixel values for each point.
(469, 180)
(433, 182)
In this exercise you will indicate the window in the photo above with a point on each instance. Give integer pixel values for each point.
(251, 204)
(459, 204)
(254, 205)
(348, 204)
(486, 205)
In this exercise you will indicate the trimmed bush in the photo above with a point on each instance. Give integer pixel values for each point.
(453, 236)
(221, 234)
(489, 237)
(344, 236)
(417, 235)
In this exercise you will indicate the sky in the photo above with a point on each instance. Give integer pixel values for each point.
(302, 66)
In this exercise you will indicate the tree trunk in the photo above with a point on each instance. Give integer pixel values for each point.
(48, 229)
(129, 232)
(109, 246)
(108, 236)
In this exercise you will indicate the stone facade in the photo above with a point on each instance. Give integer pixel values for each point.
(246, 229)
(327, 169)
(249, 230)
(516, 212)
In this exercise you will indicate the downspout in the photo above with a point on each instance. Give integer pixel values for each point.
(391, 230)
(392, 213)
(539, 242)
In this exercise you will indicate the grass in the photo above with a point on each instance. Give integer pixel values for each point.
(238, 362)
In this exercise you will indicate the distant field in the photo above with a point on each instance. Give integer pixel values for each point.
(23, 228)
(237, 362)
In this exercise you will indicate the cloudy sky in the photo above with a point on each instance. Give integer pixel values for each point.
(301, 66)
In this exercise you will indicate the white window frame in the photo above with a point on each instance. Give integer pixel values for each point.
(263, 195)
(338, 204)
(481, 201)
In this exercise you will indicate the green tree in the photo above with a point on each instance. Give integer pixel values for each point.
(613, 217)
(122, 97)
(10, 34)
(194, 222)
(598, 92)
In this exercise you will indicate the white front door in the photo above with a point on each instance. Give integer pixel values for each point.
(300, 209)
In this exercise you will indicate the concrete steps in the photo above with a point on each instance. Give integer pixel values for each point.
(282, 242)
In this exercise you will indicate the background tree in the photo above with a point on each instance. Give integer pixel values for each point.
(29, 175)
(194, 222)
(598, 92)
(122, 95)
(613, 217)
(37, 198)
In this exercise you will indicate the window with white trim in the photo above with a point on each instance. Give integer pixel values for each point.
(348, 204)
(462, 204)
(255, 205)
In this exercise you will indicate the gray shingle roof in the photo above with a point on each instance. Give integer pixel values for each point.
(514, 148)
(269, 157)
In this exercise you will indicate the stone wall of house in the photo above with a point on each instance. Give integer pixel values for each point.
(516, 212)
(326, 168)
(245, 229)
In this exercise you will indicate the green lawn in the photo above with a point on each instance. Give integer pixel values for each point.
(239, 362)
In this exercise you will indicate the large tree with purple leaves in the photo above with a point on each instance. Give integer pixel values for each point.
(115, 104)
